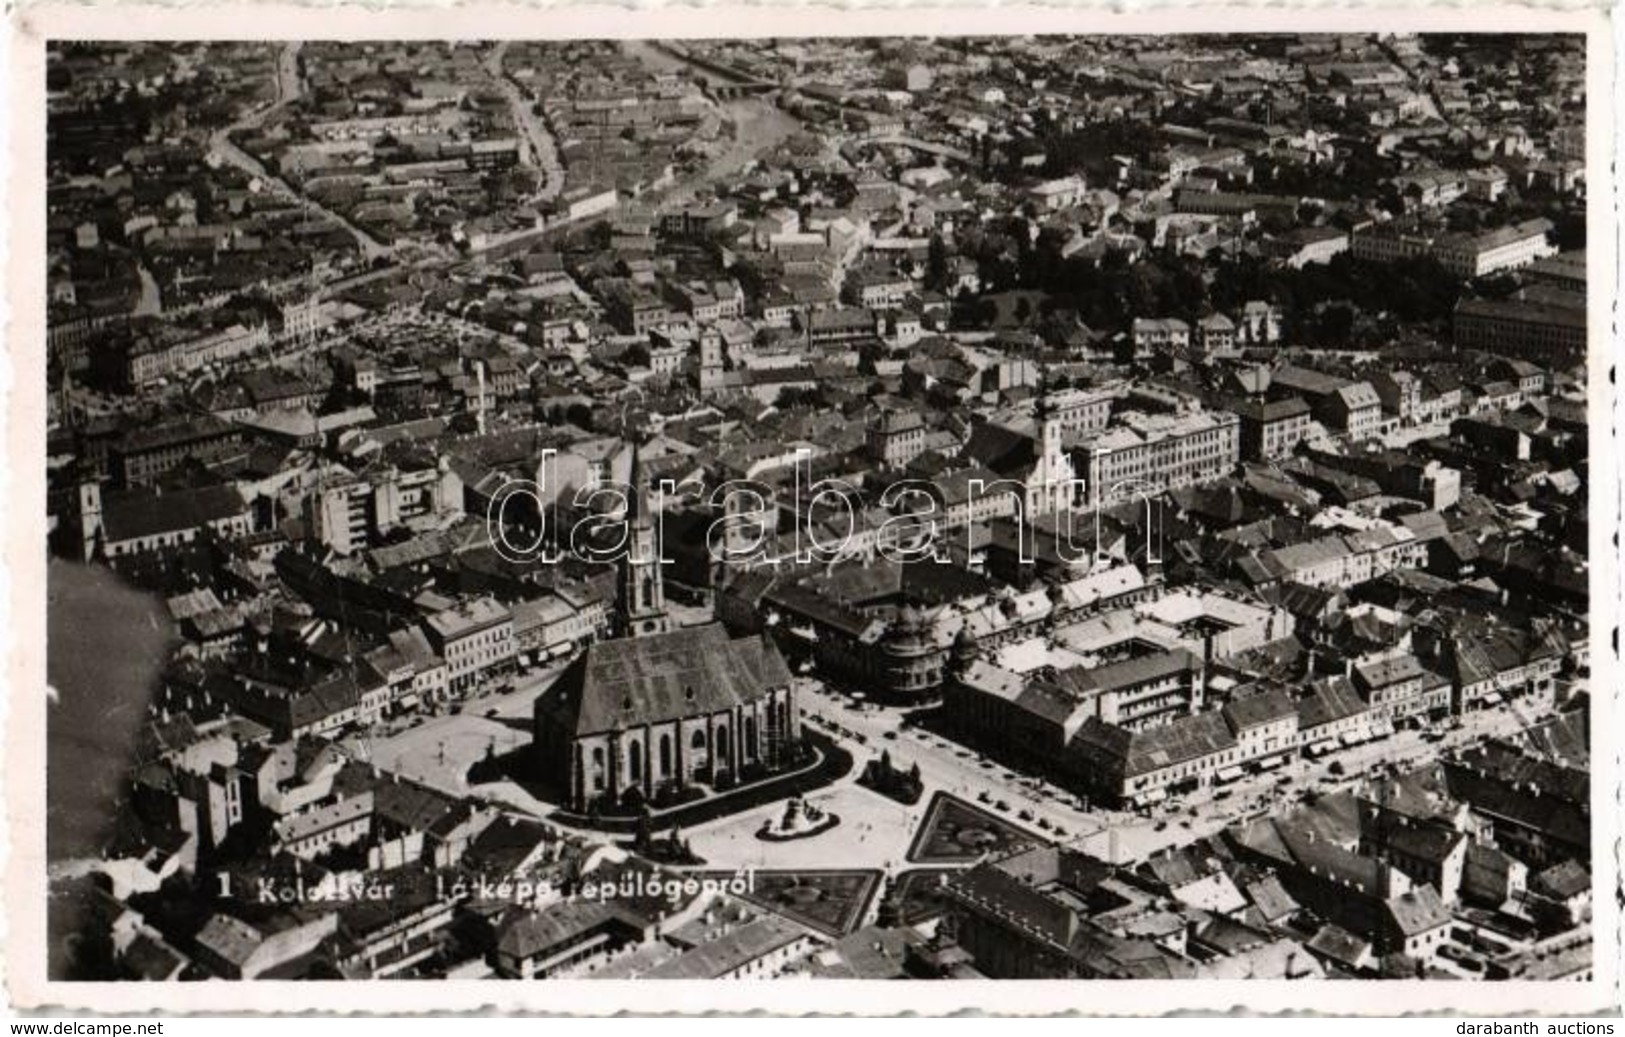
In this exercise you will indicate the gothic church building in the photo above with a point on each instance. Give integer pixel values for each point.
(662, 708)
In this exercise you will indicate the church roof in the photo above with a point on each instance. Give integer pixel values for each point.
(1002, 449)
(694, 671)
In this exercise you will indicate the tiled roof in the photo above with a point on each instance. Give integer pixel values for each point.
(527, 934)
(1339, 945)
(230, 939)
(731, 951)
(1328, 701)
(690, 672)
(1418, 911)
(1255, 710)
(137, 513)
(1132, 672)
(1564, 880)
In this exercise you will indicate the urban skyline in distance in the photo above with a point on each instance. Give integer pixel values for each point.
(1089, 507)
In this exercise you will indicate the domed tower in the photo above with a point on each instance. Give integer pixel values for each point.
(964, 651)
(913, 664)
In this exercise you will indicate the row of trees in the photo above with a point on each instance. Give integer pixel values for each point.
(1334, 304)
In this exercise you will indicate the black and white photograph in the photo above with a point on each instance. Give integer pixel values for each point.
(1054, 506)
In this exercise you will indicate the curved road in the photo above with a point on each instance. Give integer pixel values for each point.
(537, 148)
(287, 89)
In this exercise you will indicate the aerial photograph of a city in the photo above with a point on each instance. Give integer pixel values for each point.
(1094, 507)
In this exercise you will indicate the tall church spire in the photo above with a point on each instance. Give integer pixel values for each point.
(641, 598)
(637, 506)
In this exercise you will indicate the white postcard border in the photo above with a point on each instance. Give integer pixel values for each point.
(22, 606)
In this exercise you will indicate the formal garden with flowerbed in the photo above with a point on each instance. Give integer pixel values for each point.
(832, 902)
(955, 832)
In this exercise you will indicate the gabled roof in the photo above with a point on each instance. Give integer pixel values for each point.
(731, 951)
(1255, 710)
(1272, 901)
(527, 934)
(1563, 881)
(1418, 911)
(1335, 943)
(1002, 449)
(1188, 738)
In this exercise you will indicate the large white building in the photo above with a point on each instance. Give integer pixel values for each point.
(1156, 452)
(348, 512)
(1507, 248)
(1465, 255)
(475, 639)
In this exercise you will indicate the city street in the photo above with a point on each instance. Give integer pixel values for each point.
(439, 750)
(874, 833)
(287, 88)
(1113, 835)
(536, 145)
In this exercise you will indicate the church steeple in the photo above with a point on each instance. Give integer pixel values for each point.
(641, 598)
(1051, 487)
(637, 505)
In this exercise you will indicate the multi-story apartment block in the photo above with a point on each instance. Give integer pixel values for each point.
(1272, 429)
(1155, 452)
(475, 639)
(348, 513)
